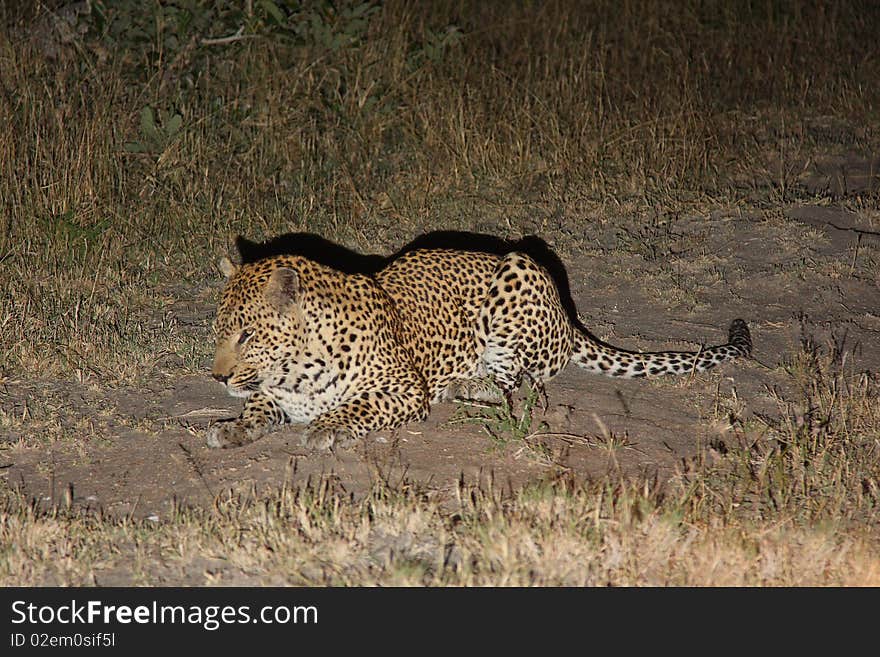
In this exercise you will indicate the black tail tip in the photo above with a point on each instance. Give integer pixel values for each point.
(739, 336)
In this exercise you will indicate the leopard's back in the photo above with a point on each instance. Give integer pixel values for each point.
(437, 294)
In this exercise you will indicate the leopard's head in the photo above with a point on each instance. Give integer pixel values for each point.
(259, 324)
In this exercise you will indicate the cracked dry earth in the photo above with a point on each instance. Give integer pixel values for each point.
(808, 272)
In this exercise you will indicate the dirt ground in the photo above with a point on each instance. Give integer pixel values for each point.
(805, 272)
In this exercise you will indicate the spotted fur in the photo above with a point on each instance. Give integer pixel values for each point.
(340, 355)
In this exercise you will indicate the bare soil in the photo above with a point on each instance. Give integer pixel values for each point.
(806, 273)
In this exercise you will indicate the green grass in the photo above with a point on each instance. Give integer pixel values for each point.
(504, 420)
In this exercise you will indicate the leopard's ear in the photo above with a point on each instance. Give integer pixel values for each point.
(227, 267)
(283, 288)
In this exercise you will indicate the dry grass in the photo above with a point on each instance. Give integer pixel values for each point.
(795, 503)
(540, 117)
(584, 110)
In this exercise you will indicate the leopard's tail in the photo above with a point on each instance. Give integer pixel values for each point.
(596, 356)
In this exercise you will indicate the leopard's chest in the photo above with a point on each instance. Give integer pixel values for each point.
(308, 392)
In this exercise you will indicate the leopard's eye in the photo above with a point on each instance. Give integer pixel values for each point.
(245, 335)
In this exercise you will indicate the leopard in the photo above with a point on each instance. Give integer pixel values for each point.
(338, 355)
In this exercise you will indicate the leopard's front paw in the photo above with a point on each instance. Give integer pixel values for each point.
(323, 439)
(228, 434)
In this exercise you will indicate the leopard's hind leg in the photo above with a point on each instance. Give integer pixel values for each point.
(523, 330)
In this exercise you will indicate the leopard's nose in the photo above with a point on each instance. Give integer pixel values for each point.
(222, 378)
